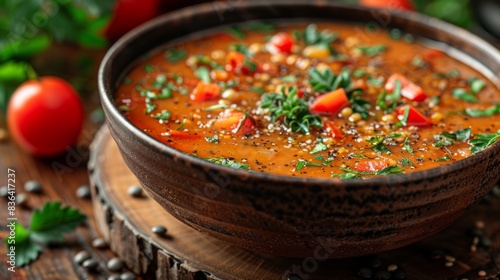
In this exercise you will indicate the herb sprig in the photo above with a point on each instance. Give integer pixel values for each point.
(378, 142)
(355, 174)
(294, 110)
(47, 225)
(482, 141)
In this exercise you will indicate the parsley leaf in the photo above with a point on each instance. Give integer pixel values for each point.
(445, 158)
(462, 94)
(163, 115)
(407, 145)
(326, 80)
(352, 173)
(295, 110)
(47, 225)
(203, 73)
(483, 141)
(406, 162)
(236, 32)
(442, 141)
(488, 112)
(228, 162)
(358, 104)
(476, 85)
(319, 148)
(174, 55)
(378, 142)
(460, 135)
(371, 51)
(312, 36)
(214, 139)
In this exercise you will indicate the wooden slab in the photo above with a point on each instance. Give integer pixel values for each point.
(184, 253)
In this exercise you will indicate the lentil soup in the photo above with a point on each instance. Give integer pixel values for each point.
(316, 100)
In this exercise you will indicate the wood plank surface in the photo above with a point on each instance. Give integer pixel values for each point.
(127, 223)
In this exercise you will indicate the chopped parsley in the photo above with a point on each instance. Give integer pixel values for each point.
(288, 79)
(371, 51)
(236, 32)
(482, 141)
(228, 162)
(203, 73)
(355, 174)
(358, 104)
(150, 107)
(214, 139)
(460, 135)
(406, 162)
(174, 55)
(303, 163)
(326, 80)
(462, 94)
(445, 158)
(488, 112)
(241, 48)
(441, 141)
(311, 36)
(163, 115)
(319, 148)
(407, 145)
(378, 142)
(295, 110)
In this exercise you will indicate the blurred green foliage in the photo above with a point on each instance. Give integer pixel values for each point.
(454, 11)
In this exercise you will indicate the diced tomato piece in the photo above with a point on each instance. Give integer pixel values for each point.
(371, 165)
(205, 92)
(333, 130)
(415, 118)
(408, 89)
(241, 63)
(281, 43)
(330, 103)
(235, 121)
(431, 54)
(183, 134)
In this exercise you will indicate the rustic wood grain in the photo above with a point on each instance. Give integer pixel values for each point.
(187, 254)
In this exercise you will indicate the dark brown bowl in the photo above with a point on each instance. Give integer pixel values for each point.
(284, 215)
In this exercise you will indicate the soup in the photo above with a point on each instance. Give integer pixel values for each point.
(317, 100)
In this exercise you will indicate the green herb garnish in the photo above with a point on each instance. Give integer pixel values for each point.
(163, 115)
(378, 142)
(442, 141)
(358, 104)
(407, 145)
(319, 148)
(312, 36)
(47, 225)
(371, 51)
(445, 158)
(241, 48)
(460, 135)
(236, 32)
(476, 85)
(203, 73)
(214, 139)
(406, 162)
(228, 162)
(289, 79)
(150, 107)
(482, 141)
(326, 80)
(174, 55)
(463, 95)
(488, 112)
(295, 110)
(354, 174)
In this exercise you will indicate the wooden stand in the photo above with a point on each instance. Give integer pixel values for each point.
(184, 253)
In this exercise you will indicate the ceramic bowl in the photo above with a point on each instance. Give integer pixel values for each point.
(284, 215)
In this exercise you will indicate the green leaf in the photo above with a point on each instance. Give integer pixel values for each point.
(319, 148)
(228, 162)
(241, 48)
(460, 135)
(371, 51)
(407, 145)
(22, 48)
(203, 74)
(52, 221)
(483, 141)
(214, 139)
(326, 80)
(174, 55)
(163, 115)
(462, 94)
(236, 32)
(295, 110)
(476, 85)
(288, 79)
(445, 158)
(488, 112)
(25, 249)
(406, 162)
(393, 169)
(442, 141)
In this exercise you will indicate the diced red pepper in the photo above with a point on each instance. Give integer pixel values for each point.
(415, 118)
(333, 130)
(281, 43)
(205, 92)
(183, 134)
(371, 165)
(384, 4)
(241, 63)
(431, 54)
(408, 88)
(329, 103)
(235, 121)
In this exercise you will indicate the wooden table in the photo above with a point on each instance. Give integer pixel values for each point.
(61, 177)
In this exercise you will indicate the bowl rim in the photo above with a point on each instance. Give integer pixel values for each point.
(107, 100)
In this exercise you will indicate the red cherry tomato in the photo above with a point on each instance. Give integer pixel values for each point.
(392, 4)
(128, 14)
(282, 42)
(45, 116)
